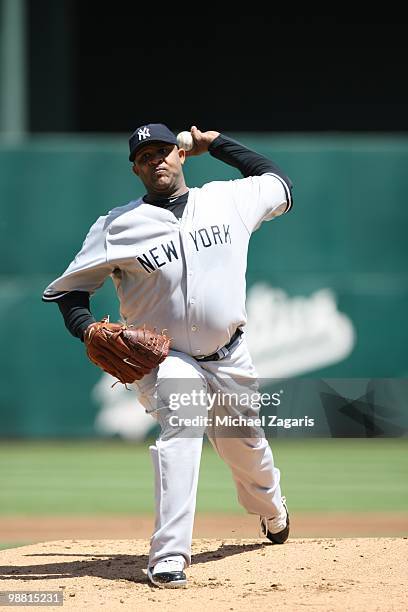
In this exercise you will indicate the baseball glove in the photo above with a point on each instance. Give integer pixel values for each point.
(126, 352)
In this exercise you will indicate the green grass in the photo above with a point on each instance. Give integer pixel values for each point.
(5, 545)
(97, 478)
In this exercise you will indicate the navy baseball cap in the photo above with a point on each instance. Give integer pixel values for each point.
(151, 132)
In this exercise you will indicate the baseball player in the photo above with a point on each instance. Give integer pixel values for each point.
(177, 257)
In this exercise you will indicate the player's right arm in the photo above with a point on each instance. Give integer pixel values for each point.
(85, 274)
(76, 311)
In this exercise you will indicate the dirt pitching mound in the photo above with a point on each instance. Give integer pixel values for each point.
(317, 574)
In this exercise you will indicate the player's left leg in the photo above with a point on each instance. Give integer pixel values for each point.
(244, 447)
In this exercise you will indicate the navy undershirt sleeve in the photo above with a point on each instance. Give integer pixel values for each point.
(248, 162)
(75, 309)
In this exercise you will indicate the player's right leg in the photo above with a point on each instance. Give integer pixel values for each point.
(174, 394)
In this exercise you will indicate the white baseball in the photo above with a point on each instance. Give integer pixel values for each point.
(185, 140)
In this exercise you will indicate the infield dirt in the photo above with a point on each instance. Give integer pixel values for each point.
(235, 574)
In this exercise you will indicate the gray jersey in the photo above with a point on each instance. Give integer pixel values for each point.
(185, 275)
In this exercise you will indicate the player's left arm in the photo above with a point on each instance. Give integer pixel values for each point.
(250, 163)
(276, 196)
(233, 153)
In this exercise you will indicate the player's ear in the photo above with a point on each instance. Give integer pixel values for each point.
(135, 170)
(182, 155)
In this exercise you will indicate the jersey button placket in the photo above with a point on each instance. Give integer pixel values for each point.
(192, 324)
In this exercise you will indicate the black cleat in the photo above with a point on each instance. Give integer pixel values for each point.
(281, 536)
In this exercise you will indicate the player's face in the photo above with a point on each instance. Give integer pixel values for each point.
(159, 167)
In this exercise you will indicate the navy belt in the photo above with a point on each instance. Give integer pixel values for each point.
(224, 351)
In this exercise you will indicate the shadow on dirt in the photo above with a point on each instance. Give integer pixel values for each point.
(110, 567)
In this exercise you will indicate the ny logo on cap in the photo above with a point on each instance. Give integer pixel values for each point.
(143, 133)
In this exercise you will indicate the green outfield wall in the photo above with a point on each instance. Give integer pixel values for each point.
(347, 232)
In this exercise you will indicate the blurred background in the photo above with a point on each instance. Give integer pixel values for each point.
(326, 98)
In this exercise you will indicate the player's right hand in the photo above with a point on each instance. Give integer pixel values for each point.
(202, 140)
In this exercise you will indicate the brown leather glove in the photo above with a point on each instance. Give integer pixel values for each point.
(128, 353)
